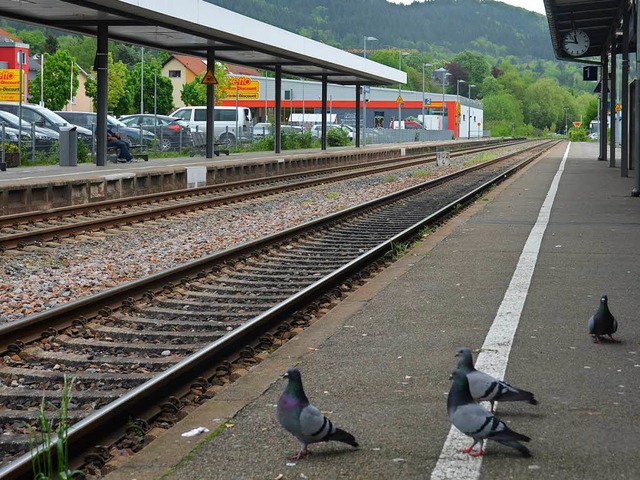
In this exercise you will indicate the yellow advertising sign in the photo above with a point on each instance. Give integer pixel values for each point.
(247, 88)
(10, 85)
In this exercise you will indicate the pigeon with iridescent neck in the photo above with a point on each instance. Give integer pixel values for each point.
(303, 420)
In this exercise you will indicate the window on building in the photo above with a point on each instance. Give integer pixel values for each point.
(175, 73)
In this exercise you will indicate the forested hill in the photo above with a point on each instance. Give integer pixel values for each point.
(438, 26)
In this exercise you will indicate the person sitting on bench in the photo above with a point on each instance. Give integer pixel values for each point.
(114, 141)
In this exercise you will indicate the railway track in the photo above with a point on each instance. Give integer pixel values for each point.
(34, 228)
(181, 334)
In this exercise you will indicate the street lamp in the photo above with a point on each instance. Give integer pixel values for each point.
(469, 111)
(400, 55)
(566, 124)
(458, 82)
(442, 74)
(41, 58)
(370, 39)
(364, 93)
(423, 65)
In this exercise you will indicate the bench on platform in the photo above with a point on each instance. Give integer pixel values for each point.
(137, 151)
(199, 144)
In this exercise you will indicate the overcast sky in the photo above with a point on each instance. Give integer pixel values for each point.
(534, 5)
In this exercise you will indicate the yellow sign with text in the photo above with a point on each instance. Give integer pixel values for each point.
(246, 88)
(10, 85)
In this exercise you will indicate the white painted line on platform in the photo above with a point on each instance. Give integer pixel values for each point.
(497, 345)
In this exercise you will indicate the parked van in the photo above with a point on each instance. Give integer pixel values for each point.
(226, 120)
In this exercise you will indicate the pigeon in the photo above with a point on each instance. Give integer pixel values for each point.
(475, 421)
(603, 322)
(303, 420)
(484, 387)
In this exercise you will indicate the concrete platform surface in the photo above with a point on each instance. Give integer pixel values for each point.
(378, 364)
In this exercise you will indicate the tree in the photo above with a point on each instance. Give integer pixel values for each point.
(502, 107)
(50, 44)
(545, 102)
(195, 93)
(35, 39)
(81, 47)
(58, 84)
(119, 99)
(152, 73)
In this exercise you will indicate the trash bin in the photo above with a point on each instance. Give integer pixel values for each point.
(68, 146)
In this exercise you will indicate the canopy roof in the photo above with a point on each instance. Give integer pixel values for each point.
(598, 18)
(193, 26)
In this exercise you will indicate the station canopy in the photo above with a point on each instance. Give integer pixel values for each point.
(597, 18)
(192, 27)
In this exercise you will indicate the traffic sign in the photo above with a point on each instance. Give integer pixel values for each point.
(209, 78)
(399, 99)
(618, 107)
(577, 124)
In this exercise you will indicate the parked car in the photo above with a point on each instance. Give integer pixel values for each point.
(407, 124)
(316, 130)
(89, 120)
(43, 117)
(172, 132)
(349, 129)
(11, 136)
(44, 137)
(261, 130)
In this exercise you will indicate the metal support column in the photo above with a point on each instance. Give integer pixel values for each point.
(101, 66)
(604, 90)
(624, 154)
(211, 97)
(277, 114)
(324, 112)
(357, 133)
(636, 113)
(614, 93)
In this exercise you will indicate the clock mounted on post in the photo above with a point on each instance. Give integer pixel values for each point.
(576, 42)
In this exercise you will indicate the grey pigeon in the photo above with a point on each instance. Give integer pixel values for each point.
(603, 322)
(484, 387)
(475, 421)
(303, 420)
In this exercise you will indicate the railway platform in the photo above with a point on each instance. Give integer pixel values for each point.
(515, 277)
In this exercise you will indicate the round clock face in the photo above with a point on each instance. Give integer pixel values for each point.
(576, 42)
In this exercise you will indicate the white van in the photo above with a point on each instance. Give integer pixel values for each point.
(226, 120)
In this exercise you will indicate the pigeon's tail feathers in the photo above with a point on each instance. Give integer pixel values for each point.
(516, 395)
(517, 445)
(505, 434)
(340, 435)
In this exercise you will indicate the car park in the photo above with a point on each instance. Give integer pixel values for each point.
(89, 120)
(172, 133)
(43, 117)
(45, 138)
